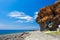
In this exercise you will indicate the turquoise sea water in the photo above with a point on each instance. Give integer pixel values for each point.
(12, 31)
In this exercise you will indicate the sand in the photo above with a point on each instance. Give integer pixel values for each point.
(37, 35)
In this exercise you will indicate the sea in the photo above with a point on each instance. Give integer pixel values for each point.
(12, 31)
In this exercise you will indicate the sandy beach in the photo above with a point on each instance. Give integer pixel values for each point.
(33, 35)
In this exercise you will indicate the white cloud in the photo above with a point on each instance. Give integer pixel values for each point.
(16, 14)
(19, 21)
(35, 16)
(21, 16)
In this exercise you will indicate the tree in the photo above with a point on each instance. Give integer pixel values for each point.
(49, 17)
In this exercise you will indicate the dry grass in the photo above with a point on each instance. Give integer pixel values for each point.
(52, 32)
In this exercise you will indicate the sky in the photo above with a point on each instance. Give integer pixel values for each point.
(21, 14)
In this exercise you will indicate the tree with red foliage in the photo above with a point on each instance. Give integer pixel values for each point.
(49, 15)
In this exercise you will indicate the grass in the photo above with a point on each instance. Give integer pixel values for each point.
(52, 32)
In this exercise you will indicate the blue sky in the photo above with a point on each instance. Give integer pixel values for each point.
(20, 14)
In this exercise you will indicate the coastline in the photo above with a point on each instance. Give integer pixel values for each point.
(14, 36)
(32, 35)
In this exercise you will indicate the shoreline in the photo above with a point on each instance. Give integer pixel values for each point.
(31, 35)
(14, 36)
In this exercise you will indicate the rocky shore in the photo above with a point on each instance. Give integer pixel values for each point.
(34, 35)
(15, 36)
